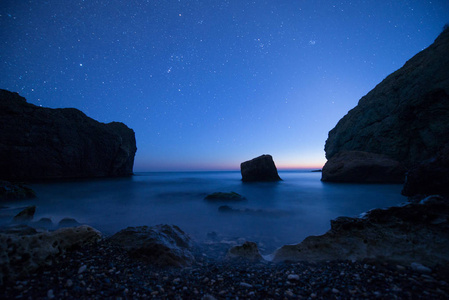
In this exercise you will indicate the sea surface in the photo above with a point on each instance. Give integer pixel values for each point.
(272, 215)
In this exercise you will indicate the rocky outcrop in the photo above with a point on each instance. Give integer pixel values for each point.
(417, 232)
(161, 245)
(247, 251)
(405, 116)
(44, 143)
(261, 168)
(430, 177)
(25, 215)
(363, 167)
(22, 254)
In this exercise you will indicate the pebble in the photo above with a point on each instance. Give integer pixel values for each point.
(293, 277)
(82, 269)
(69, 283)
(247, 285)
(50, 294)
(420, 268)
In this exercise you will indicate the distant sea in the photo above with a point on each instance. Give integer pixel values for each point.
(273, 214)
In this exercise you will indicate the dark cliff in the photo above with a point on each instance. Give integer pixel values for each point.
(405, 117)
(45, 143)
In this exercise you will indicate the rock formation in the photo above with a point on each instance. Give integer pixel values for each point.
(44, 143)
(261, 168)
(417, 232)
(430, 177)
(405, 116)
(220, 196)
(11, 191)
(22, 254)
(359, 166)
(161, 245)
(247, 251)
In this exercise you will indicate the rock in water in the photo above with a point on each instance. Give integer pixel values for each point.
(405, 117)
(25, 215)
(22, 254)
(359, 166)
(220, 196)
(247, 251)
(417, 232)
(38, 143)
(10, 191)
(162, 245)
(261, 168)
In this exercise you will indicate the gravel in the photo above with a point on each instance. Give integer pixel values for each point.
(104, 271)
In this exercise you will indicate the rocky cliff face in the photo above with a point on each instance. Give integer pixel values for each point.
(405, 116)
(44, 143)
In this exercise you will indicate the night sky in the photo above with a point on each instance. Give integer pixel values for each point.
(209, 84)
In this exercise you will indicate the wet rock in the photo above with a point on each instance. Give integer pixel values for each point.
(363, 167)
(403, 234)
(25, 215)
(220, 196)
(38, 142)
(22, 254)
(68, 222)
(261, 168)
(162, 245)
(44, 223)
(405, 116)
(18, 229)
(247, 251)
(10, 191)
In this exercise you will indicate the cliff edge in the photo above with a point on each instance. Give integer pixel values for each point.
(45, 143)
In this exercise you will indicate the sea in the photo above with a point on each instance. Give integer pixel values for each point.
(273, 213)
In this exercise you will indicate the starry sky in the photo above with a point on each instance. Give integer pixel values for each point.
(209, 84)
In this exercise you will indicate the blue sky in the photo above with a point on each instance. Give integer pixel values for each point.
(207, 85)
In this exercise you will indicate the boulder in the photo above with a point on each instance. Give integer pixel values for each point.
(12, 191)
(25, 215)
(219, 196)
(247, 251)
(430, 177)
(405, 116)
(68, 222)
(363, 167)
(20, 255)
(417, 232)
(45, 143)
(161, 245)
(261, 168)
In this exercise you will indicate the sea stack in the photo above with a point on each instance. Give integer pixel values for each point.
(261, 168)
(45, 143)
(402, 121)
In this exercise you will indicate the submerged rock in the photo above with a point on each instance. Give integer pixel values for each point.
(44, 143)
(232, 196)
(247, 251)
(68, 222)
(405, 117)
(363, 167)
(11, 191)
(21, 255)
(261, 168)
(161, 245)
(417, 232)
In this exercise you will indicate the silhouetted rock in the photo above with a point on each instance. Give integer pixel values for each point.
(219, 196)
(68, 222)
(405, 117)
(162, 245)
(417, 232)
(359, 166)
(11, 191)
(43, 143)
(430, 177)
(247, 251)
(22, 254)
(25, 215)
(261, 168)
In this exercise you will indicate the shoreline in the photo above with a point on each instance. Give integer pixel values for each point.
(105, 271)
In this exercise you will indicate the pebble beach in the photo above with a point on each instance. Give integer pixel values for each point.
(105, 271)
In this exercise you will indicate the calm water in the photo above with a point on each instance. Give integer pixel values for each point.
(276, 213)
